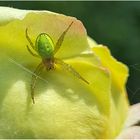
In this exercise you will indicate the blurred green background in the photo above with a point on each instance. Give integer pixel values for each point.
(115, 24)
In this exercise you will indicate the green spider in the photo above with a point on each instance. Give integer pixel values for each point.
(46, 50)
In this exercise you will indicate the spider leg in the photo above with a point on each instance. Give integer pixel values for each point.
(70, 69)
(61, 38)
(28, 38)
(30, 51)
(37, 72)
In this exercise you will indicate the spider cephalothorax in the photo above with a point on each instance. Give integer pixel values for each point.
(46, 50)
(49, 63)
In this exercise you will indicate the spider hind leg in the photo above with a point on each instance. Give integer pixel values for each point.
(61, 38)
(28, 38)
(33, 54)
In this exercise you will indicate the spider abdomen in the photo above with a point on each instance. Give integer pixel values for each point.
(44, 46)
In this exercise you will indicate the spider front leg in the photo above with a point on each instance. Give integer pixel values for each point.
(69, 68)
(35, 75)
(61, 38)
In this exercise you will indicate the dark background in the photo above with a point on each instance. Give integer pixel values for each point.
(115, 24)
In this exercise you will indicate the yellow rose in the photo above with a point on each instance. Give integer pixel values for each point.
(65, 107)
